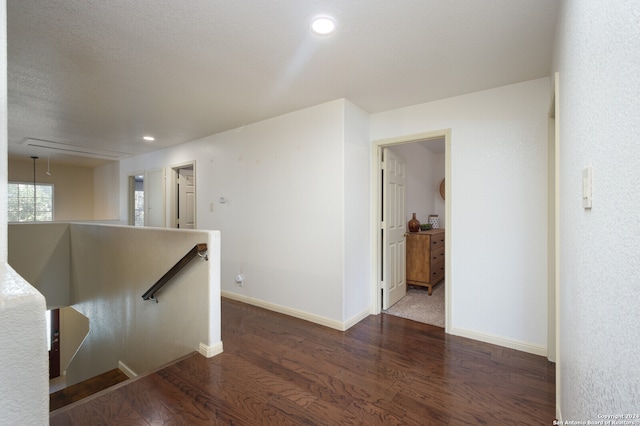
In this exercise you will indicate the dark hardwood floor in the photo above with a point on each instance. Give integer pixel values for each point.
(278, 370)
(81, 390)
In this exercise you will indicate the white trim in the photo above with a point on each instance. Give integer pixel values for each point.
(316, 319)
(356, 319)
(558, 355)
(126, 370)
(500, 341)
(448, 270)
(210, 351)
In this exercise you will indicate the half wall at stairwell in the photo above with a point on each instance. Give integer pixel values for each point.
(103, 271)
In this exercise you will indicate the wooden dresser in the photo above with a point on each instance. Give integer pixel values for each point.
(425, 258)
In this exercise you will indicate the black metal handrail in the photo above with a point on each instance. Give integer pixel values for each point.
(197, 250)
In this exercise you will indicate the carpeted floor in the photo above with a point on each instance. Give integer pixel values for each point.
(417, 305)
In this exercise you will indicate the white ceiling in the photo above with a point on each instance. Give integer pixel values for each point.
(102, 74)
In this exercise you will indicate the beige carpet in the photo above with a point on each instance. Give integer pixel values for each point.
(417, 305)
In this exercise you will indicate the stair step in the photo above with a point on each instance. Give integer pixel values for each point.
(85, 388)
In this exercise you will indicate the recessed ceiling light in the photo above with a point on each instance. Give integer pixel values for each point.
(323, 26)
(149, 138)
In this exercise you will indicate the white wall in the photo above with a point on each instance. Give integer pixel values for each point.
(420, 183)
(283, 225)
(357, 213)
(598, 58)
(498, 203)
(106, 181)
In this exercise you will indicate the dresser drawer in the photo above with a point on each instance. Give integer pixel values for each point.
(436, 273)
(437, 256)
(437, 241)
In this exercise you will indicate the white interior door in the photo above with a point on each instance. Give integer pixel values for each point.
(154, 198)
(393, 228)
(186, 199)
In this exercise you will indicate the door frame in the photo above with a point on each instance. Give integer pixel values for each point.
(553, 233)
(553, 222)
(173, 205)
(376, 216)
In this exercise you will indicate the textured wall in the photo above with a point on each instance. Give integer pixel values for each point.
(597, 54)
(24, 366)
(23, 359)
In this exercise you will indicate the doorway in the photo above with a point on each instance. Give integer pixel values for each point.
(136, 200)
(66, 330)
(147, 199)
(381, 280)
(53, 340)
(183, 199)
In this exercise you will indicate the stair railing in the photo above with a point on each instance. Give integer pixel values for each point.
(199, 250)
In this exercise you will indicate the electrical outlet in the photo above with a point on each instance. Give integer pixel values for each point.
(239, 280)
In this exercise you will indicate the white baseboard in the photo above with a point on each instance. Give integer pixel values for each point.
(316, 319)
(500, 341)
(356, 319)
(209, 351)
(126, 370)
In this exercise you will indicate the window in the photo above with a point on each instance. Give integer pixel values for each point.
(139, 208)
(25, 206)
(138, 198)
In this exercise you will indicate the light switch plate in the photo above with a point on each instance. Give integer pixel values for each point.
(586, 188)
